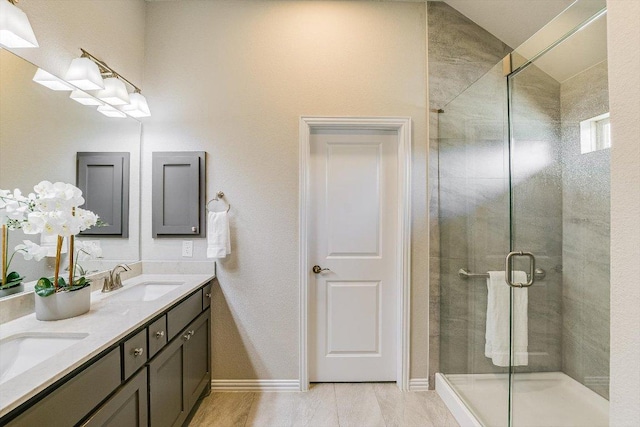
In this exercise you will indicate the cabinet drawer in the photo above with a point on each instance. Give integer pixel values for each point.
(206, 296)
(86, 390)
(134, 353)
(180, 316)
(157, 335)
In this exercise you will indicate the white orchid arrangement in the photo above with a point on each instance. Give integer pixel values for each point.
(14, 208)
(53, 210)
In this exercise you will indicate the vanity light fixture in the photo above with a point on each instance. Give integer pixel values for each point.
(15, 29)
(47, 79)
(84, 74)
(114, 92)
(84, 98)
(137, 106)
(110, 111)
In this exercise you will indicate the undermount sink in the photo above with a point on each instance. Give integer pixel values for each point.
(145, 291)
(21, 352)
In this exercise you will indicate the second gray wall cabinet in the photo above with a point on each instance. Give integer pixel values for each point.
(178, 191)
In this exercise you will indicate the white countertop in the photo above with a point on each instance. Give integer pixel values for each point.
(106, 323)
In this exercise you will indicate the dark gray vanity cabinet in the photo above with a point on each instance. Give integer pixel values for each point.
(149, 378)
(126, 408)
(179, 374)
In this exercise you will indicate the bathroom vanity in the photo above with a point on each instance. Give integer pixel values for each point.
(141, 356)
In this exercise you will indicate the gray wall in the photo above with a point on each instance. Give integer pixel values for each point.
(586, 235)
(470, 193)
(460, 52)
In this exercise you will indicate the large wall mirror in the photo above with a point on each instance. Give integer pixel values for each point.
(41, 132)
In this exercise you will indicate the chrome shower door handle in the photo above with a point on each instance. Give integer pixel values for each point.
(508, 271)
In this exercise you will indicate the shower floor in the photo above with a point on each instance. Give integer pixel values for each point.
(540, 399)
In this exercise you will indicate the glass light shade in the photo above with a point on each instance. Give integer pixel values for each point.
(114, 92)
(84, 74)
(110, 111)
(84, 98)
(137, 106)
(47, 79)
(15, 29)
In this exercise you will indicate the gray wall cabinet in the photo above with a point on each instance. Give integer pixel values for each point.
(104, 180)
(124, 387)
(178, 192)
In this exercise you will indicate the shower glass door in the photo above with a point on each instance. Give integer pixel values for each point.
(559, 211)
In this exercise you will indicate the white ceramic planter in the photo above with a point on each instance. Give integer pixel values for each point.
(63, 305)
(10, 291)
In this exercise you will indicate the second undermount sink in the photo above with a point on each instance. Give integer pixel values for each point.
(145, 291)
(21, 352)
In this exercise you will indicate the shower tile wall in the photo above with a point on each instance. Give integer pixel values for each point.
(460, 53)
(586, 184)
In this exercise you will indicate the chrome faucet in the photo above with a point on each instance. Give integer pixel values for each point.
(113, 281)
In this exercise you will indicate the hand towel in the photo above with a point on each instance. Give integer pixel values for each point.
(218, 235)
(497, 332)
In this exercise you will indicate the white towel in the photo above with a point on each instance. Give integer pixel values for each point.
(218, 235)
(497, 333)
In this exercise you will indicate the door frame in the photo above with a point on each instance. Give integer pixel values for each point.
(402, 125)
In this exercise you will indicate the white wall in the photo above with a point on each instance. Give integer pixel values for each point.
(112, 30)
(232, 79)
(624, 95)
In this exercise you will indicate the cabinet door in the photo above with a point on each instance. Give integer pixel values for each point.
(178, 194)
(104, 181)
(197, 375)
(126, 408)
(167, 400)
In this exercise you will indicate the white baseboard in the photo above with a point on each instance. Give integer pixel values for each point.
(419, 384)
(255, 385)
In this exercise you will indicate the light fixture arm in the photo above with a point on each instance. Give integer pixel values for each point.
(105, 69)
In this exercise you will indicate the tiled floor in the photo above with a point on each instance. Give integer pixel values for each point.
(326, 405)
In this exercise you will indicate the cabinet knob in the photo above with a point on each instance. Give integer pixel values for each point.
(138, 352)
(186, 337)
(191, 333)
(207, 295)
(159, 334)
(194, 229)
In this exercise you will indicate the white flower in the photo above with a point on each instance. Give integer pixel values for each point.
(13, 208)
(88, 249)
(31, 250)
(87, 218)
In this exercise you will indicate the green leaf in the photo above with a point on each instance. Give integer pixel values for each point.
(44, 287)
(79, 283)
(13, 276)
(61, 282)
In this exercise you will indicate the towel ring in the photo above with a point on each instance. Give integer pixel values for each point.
(219, 195)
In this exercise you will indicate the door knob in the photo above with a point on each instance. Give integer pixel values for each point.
(317, 269)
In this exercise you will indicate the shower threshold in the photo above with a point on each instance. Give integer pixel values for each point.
(540, 399)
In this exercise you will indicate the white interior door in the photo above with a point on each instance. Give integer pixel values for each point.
(353, 232)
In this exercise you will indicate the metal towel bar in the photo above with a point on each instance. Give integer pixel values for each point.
(465, 274)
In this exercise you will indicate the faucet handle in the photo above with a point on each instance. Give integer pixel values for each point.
(106, 284)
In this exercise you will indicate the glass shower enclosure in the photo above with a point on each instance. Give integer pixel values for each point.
(524, 231)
